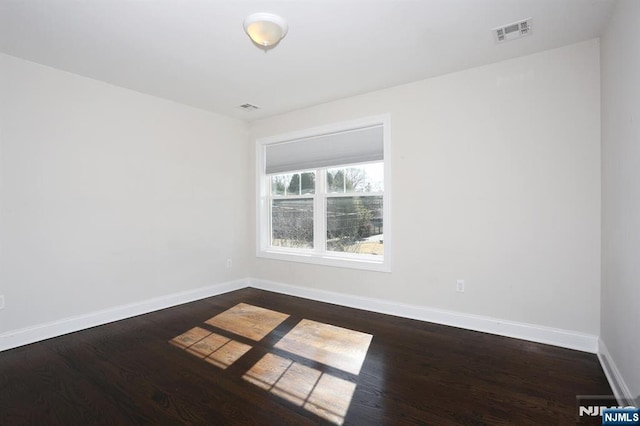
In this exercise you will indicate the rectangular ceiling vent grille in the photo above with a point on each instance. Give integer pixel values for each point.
(248, 107)
(512, 31)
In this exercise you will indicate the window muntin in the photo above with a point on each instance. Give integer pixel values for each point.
(293, 183)
(356, 178)
(291, 209)
(353, 224)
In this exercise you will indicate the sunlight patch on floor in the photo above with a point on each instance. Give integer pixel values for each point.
(213, 348)
(302, 379)
(327, 344)
(320, 393)
(248, 321)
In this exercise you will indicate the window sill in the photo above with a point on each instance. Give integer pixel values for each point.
(369, 263)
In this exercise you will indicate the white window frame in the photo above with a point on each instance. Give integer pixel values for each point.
(318, 255)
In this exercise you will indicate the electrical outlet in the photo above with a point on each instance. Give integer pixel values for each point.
(229, 263)
(460, 286)
(2, 301)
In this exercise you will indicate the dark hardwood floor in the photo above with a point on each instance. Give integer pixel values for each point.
(128, 372)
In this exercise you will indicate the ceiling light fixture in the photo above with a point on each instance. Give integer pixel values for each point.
(265, 29)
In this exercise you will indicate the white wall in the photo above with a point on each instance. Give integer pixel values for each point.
(621, 195)
(496, 180)
(111, 197)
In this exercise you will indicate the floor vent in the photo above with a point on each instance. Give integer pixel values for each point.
(512, 31)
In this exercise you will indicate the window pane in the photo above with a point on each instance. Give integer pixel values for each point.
(293, 183)
(308, 182)
(363, 178)
(279, 183)
(292, 223)
(354, 225)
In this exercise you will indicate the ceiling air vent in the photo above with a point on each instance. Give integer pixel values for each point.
(512, 31)
(248, 107)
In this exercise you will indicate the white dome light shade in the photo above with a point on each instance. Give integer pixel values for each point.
(265, 29)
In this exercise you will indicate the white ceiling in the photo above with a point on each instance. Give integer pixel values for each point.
(195, 51)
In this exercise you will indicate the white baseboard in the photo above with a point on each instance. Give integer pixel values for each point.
(48, 330)
(620, 389)
(535, 333)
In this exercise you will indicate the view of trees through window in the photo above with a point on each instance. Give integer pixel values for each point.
(354, 224)
(291, 215)
(353, 209)
(293, 184)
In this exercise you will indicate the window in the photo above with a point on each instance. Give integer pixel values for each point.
(323, 196)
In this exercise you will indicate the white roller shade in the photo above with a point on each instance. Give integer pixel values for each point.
(348, 147)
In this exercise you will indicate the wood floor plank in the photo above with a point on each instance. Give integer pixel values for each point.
(134, 372)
